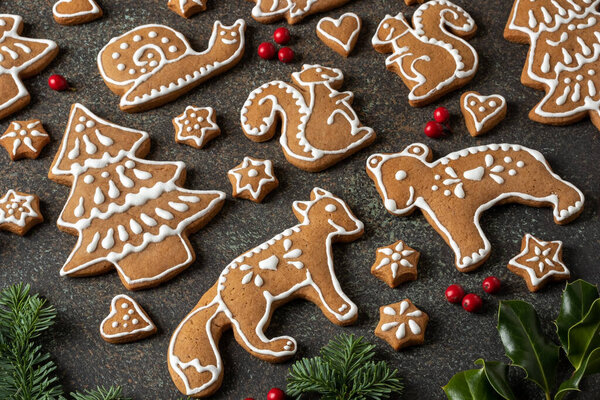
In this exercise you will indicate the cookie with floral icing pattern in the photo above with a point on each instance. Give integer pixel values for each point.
(19, 212)
(340, 34)
(454, 191)
(153, 64)
(432, 56)
(127, 321)
(396, 263)
(402, 324)
(253, 179)
(196, 126)
(20, 58)
(128, 213)
(73, 12)
(293, 11)
(187, 8)
(482, 113)
(24, 139)
(297, 263)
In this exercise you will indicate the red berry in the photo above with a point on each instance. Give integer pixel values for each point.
(286, 55)
(266, 50)
(434, 129)
(441, 114)
(491, 284)
(455, 293)
(276, 394)
(57, 82)
(249, 398)
(281, 35)
(472, 302)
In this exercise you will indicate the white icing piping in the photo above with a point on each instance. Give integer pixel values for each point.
(95, 9)
(338, 23)
(113, 312)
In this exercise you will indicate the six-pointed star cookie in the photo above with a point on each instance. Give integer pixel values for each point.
(253, 179)
(539, 262)
(402, 324)
(196, 126)
(19, 212)
(396, 263)
(24, 139)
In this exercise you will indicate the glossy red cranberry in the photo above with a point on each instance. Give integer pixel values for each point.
(455, 294)
(58, 83)
(286, 55)
(276, 394)
(491, 284)
(266, 50)
(434, 129)
(472, 303)
(281, 35)
(441, 115)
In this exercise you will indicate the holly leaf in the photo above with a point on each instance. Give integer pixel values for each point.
(584, 337)
(470, 385)
(577, 299)
(497, 375)
(591, 365)
(525, 343)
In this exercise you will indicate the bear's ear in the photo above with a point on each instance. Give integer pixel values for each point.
(418, 150)
(318, 193)
(301, 209)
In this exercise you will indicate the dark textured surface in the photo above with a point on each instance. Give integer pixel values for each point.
(454, 338)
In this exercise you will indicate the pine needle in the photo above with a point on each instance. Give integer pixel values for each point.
(100, 393)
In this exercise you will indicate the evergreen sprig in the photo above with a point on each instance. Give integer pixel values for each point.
(345, 370)
(101, 393)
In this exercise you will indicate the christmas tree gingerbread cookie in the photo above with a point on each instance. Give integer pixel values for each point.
(129, 213)
(19, 212)
(454, 191)
(24, 139)
(127, 321)
(73, 12)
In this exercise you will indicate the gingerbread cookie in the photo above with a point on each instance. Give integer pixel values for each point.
(341, 34)
(432, 57)
(129, 213)
(296, 263)
(196, 126)
(127, 321)
(482, 113)
(153, 64)
(402, 324)
(19, 212)
(413, 2)
(187, 8)
(294, 11)
(563, 58)
(396, 263)
(24, 139)
(20, 58)
(539, 263)
(253, 179)
(453, 191)
(319, 126)
(73, 12)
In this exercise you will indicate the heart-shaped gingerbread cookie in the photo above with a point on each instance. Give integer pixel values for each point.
(482, 113)
(127, 321)
(340, 34)
(73, 12)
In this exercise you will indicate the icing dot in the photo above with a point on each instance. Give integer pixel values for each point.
(252, 173)
(124, 305)
(579, 78)
(131, 71)
(520, 164)
(197, 126)
(130, 312)
(126, 317)
(121, 67)
(189, 129)
(115, 324)
(124, 46)
(193, 115)
(129, 164)
(90, 124)
(591, 72)
(137, 38)
(416, 150)
(150, 55)
(2, 22)
(81, 119)
(571, 27)
(165, 40)
(233, 34)
(330, 208)
(79, 128)
(173, 49)
(437, 177)
(143, 70)
(400, 175)
(434, 188)
(152, 34)
(507, 160)
(567, 80)
(115, 55)
(472, 103)
(105, 174)
(125, 325)
(135, 321)
(88, 179)
(512, 172)
(386, 25)
(319, 70)
(481, 109)
(223, 33)
(200, 119)
(153, 63)
(186, 122)
(493, 103)
(447, 193)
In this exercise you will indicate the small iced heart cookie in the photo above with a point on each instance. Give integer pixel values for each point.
(74, 12)
(482, 113)
(340, 34)
(127, 321)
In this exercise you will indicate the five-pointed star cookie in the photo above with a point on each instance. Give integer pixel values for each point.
(539, 262)
(253, 179)
(24, 139)
(196, 126)
(396, 263)
(19, 212)
(402, 324)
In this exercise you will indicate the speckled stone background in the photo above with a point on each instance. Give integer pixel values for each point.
(454, 338)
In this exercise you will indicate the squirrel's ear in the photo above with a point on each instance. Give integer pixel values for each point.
(301, 209)
(318, 193)
(418, 150)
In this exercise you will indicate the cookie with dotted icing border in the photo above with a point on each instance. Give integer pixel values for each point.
(454, 191)
(413, 2)
(297, 263)
(539, 262)
(153, 64)
(127, 321)
(253, 179)
(563, 57)
(129, 214)
(319, 125)
(74, 12)
(187, 8)
(340, 34)
(482, 113)
(395, 264)
(402, 324)
(20, 58)
(293, 11)
(196, 126)
(432, 56)
(24, 139)
(19, 212)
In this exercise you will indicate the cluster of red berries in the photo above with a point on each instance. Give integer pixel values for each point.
(441, 125)
(472, 302)
(267, 50)
(274, 394)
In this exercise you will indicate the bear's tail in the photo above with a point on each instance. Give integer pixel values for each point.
(193, 356)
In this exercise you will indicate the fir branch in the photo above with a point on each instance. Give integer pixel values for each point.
(101, 393)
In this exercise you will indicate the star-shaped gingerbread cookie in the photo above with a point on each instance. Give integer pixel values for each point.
(24, 139)
(19, 212)
(253, 179)
(402, 324)
(539, 262)
(127, 321)
(196, 126)
(396, 263)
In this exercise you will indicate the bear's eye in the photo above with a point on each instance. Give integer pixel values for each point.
(400, 175)
(330, 208)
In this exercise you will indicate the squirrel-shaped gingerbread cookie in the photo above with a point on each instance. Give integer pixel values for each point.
(455, 190)
(296, 263)
(319, 126)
